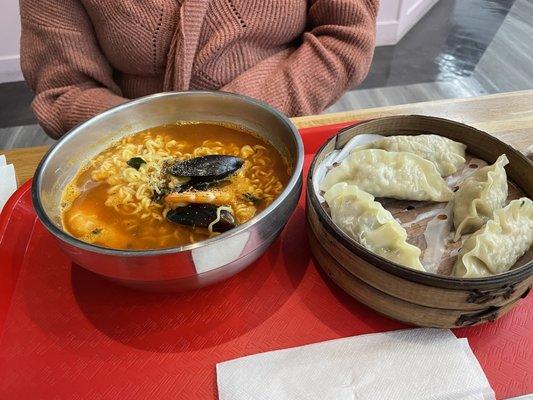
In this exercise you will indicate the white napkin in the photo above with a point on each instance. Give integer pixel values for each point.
(407, 364)
(8, 181)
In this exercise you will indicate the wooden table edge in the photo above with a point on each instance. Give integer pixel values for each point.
(510, 113)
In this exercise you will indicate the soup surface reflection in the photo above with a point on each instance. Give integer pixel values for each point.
(172, 185)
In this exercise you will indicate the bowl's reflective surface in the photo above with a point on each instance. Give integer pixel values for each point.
(185, 267)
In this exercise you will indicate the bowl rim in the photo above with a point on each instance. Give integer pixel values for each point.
(450, 282)
(292, 184)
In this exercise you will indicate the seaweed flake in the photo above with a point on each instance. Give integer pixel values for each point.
(135, 162)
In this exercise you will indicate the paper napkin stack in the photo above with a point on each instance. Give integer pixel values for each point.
(8, 181)
(409, 364)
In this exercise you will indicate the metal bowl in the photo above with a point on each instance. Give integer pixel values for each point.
(178, 268)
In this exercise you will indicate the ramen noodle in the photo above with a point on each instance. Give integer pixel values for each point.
(172, 185)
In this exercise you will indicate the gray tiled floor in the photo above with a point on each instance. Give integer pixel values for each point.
(389, 96)
(23, 136)
(15, 99)
(444, 45)
(506, 65)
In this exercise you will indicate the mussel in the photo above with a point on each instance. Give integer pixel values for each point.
(209, 168)
(202, 216)
(200, 174)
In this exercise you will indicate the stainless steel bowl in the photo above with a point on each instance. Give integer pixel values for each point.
(178, 268)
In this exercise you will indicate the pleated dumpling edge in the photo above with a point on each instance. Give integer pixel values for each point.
(447, 155)
(497, 246)
(399, 175)
(364, 220)
(479, 196)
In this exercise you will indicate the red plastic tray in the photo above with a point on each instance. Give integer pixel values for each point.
(67, 333)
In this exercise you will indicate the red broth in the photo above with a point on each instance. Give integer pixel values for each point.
(112, 204)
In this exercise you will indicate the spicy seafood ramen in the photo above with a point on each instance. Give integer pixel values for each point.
(172, 185)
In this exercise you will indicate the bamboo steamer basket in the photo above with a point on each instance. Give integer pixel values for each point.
(415, 297)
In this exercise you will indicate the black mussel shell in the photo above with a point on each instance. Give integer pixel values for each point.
(202, 215)
(207, 168)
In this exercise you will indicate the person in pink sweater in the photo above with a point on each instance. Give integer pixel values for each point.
(82, 57)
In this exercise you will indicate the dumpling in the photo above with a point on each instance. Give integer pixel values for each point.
(399, 175)
(446, 154)
(497, 246)
(478, 197)
(356, 213)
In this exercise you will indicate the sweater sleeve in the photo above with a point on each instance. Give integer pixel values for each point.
(334, 56)
(63, 64)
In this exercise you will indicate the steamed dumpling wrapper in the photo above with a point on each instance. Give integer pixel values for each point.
(497, 246)
(399, 175)
(446, 154)
(478, 197)
(365, 220)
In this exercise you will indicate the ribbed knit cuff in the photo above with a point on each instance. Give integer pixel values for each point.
(89, 103)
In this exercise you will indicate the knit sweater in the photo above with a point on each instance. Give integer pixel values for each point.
(82, 57)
